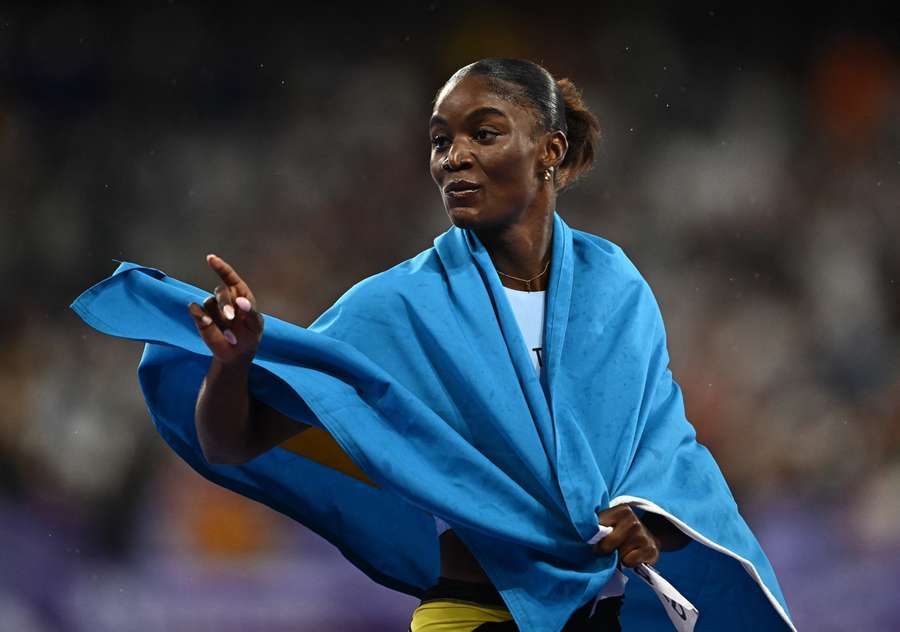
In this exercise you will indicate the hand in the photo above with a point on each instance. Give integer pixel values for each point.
(228, 321)
(634, 542)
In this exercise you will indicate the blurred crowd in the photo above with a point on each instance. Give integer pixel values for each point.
(758, 191)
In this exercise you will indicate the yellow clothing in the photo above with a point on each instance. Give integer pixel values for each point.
(450, 615)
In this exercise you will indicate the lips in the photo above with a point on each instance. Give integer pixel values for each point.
(461, 187)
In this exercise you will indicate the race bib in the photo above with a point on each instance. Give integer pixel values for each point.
(682, 612)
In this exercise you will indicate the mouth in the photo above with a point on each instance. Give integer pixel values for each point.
(461, 187)
(461, 191)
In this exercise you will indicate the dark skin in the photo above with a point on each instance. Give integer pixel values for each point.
(496, 144)
(485, 139)
(494, 154)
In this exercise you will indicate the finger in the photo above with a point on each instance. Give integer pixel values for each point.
(614, 515)
(248, 315)
(240, 293)
(211, 307)
(214, 337)
(226, 273)
(254, 321)
(613, 541)
(203, 320)
(223, 299)
(641, 541)
(624, 525)
(639, 555)
(637, 539)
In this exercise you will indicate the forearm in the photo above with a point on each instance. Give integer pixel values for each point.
(222, 415)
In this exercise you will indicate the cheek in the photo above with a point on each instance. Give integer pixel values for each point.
(509, 166)
(434, 167)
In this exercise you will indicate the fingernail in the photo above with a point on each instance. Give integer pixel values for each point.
(229, 336)
(228, 310)
(206, 320)
(243, 303)
(209, 255)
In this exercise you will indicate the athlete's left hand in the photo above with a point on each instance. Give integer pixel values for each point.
(634, 542)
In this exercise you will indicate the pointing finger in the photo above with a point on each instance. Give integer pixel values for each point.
(226, 272)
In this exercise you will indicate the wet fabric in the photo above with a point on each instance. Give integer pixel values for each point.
(425, 401)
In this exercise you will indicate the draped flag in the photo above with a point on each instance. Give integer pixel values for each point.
(424, 401)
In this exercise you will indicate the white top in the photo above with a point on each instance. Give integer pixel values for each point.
(529, 310)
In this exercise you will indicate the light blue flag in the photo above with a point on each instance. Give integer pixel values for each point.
(424, 402)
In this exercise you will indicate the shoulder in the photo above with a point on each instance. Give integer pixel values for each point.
(616, 277)
(376, 300)
(600, 256)
(388, 288)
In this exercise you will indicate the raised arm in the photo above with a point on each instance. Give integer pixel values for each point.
(232, 426)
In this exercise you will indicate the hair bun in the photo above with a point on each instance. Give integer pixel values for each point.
(582, 132)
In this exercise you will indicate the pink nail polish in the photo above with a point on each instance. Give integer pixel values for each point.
(243, 303)
(229, 336)
(228, 310)
(206, 320)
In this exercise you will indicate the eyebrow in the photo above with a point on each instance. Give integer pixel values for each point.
(482, 111)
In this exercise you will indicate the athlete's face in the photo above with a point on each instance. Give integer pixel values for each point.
(487, 155)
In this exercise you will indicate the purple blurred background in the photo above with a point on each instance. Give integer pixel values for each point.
(750, 166)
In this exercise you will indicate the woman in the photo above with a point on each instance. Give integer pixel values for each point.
(501, 149)
(527, 438)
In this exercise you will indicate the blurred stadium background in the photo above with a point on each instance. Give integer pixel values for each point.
(750, 166)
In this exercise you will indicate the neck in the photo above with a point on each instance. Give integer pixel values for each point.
(522, 249)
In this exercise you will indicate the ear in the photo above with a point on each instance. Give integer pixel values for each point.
(553, 151)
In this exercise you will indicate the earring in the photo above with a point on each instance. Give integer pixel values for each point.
(548, 174)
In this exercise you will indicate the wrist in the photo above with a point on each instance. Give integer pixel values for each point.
(237, 369)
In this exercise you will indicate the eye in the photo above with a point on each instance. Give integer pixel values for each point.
(439, 142)
(484, 134)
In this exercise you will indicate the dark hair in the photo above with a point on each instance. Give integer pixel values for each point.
(557, 104)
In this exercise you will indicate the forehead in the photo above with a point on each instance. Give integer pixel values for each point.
(461, 95)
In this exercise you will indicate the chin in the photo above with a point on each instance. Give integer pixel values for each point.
(464, 217)
(477, 219)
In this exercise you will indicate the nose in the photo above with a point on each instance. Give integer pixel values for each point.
(456, 158)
